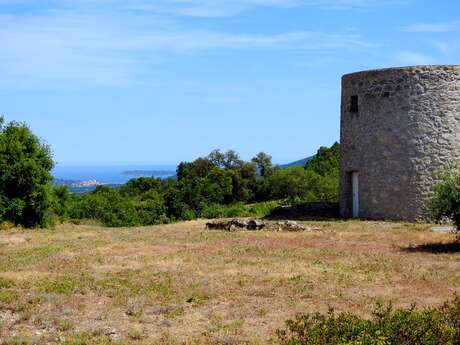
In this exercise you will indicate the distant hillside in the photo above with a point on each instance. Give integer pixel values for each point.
(299, 163)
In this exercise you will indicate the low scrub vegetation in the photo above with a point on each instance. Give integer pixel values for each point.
(446, 200)
(386, 326)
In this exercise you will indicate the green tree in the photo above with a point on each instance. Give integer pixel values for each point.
(326, 161)
(446, 200)
(226, 160)
(151, 208)
(61, 201)
(201, 167)
(107, 206)
(141, 185)
(293, 183)
(25, 166)
(263, 162)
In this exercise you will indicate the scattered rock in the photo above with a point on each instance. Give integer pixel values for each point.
(112, 334)
(133, 309)
(256, 225)
(166, 323)
(231, 225)
(443, 229)
(290, 225)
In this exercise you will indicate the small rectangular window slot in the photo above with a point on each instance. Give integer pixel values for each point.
(354, 104)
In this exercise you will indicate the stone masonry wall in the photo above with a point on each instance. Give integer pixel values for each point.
(406, 128)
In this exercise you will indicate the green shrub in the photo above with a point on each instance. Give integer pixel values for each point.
(6, 283)
(213, 211)
(298, 184)
(386, 326)
(446, 200)
(260, 209)
(61, 201)
(326, 161)
(223, 211)
(7, 296)
(106, 205)
(66, 284)
(151, 208)
(141, 185)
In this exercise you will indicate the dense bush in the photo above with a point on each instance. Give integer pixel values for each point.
(105, 205)
(136, 187)
(219, 185)
(260, 209)
(446, 200)
(25, 165)
(293, 183)
(151, 209)
(61, 201)
(109, 206)
(386, 326)
(326, 161)
(318, 181)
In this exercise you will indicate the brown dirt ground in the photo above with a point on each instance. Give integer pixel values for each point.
(181, 283)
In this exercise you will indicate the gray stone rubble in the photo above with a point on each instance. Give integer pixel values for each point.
(257, 225)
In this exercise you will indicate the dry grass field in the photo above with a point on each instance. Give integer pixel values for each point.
(182, 284)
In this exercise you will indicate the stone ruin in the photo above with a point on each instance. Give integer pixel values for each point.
(257, 225)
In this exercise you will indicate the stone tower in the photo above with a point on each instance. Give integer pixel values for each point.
(399, 126)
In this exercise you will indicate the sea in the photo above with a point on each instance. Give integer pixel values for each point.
(108, 175)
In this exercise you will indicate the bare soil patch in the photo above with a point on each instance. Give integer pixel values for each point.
(183, 284)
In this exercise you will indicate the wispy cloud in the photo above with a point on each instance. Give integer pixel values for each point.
(208, 8)
(226, 8)
(116, 47)
(434, 27)
(203, 8)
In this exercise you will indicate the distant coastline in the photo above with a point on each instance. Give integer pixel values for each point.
(149, 173)
(81, 179)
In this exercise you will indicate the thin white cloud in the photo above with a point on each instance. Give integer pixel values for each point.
(208, 8)
(453, 26)
(117, 48)
(225, 8)
(203, 8)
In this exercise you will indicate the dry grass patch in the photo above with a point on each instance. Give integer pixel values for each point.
(181, 283)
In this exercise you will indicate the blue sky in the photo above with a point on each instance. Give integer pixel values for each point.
(157, 82)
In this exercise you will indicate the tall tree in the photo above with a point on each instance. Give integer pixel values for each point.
(264, 163)
(25, 166)
(226, 160)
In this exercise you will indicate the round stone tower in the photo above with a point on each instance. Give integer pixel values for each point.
(399, 126)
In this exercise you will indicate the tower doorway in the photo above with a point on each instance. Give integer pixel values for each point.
(355, 193)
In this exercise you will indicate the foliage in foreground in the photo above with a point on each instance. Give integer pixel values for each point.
(386, 326)
(25, 165)
(446, 200)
